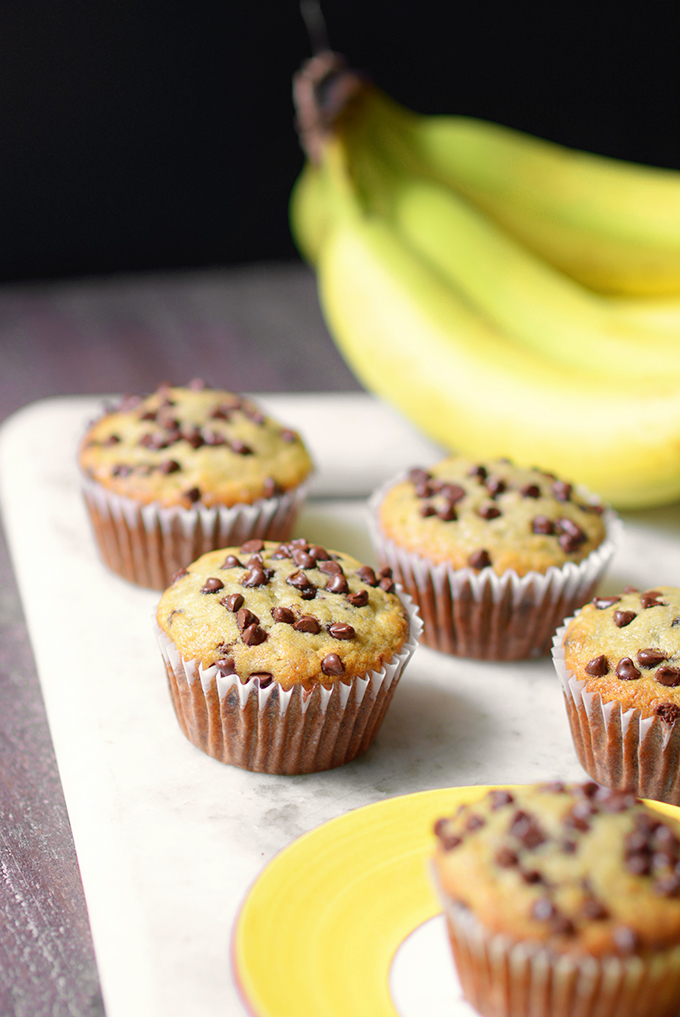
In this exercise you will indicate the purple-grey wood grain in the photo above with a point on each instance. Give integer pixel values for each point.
(252, 328)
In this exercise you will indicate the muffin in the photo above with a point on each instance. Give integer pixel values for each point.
(183, 471)
(494, 555)
(283, 658)
(562, 900)
(619, 663)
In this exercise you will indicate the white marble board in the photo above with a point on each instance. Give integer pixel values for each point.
(169, 840)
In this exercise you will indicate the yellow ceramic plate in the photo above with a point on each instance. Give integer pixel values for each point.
(320, 927)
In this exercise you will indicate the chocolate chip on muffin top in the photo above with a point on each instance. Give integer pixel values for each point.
(491, 514)
(579, 867)
(293, 613)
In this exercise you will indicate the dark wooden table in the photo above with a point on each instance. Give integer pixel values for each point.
(252, 328)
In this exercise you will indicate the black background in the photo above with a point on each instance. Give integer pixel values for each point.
(147, 135)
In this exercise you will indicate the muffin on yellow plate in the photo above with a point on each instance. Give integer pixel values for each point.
(283, 658)
(619, 663)
(495, 555)
(171, 475)
(562, 900)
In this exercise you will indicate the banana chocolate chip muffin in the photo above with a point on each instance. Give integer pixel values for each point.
(171, 475)
(619, 663)
(562, 900)
(283, 658)
(494, 554)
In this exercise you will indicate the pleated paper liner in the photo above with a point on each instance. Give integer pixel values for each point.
(272, 730)
(148, 544)
(502, 977)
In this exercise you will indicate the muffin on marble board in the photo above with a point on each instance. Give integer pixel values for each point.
(618, 660)
(561, 900)
(495, 555)
(172, 475)
(283, 658)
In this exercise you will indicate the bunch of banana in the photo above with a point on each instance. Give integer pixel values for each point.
(437, 291)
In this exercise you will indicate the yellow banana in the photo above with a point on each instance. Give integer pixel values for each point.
(308, 211)
(414, 340)
(612, 225)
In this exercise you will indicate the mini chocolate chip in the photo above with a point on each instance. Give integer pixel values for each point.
(231, 562)
(192, 495)
(213, 438)
(626, 670)
(263, 678)
(112, 439)
(318, 553)
(253, 546)
(169, 466)
(651, 599)
(623, 618)
(474, 822)
(597, 667)
(338, 584)
(332, 666)
(341, 630)
(307, 623)
(358, 599)
(226, 665)
(602, 603)
(561, 490)
(478, 471)
(178, 575)
(506, 858)
(212, 585)
(253, 635)
(255, 560)
(531, 876)
(453, 493)
(424, 489)
(555, 787)
(531, 491)
(650, 657)
(283, 614)
(232, 602)
(488, 511)
(668, 712)
(240, 447)
(638, 864)
(255, 577)
(418, 475)
(427, 510)
(303, 559)
(331, 568)
(299, 580)
(499, 798)
(367, 575)
(495, 486)
(669, 676)
(450, 841)
(387, 584)
(594, 910)
(479, 559)
(542, 525)
(271, 487)
(447, 513)
(245, 617)
(527, 830)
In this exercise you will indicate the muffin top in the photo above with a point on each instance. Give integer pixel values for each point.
(294, 613)
(627, 648)
(575, 867)
(492, 514)
(179, 446)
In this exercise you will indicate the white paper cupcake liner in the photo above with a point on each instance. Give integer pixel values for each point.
(148, 544)
(270, 730)
(485, 616)
(503, 977)
(619, 748)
